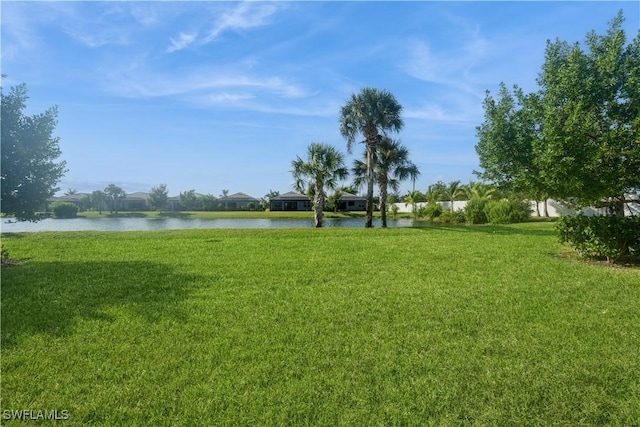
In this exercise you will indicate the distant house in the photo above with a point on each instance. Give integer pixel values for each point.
(290, 201)
(238, 201)
(134, 202)
(351, 202)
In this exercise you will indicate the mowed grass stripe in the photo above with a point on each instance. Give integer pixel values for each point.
(436, 325)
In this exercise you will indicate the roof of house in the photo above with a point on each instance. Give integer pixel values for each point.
(291, 195)
(236, 197)
(349, 196)
(137, 195)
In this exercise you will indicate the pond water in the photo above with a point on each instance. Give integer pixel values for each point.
(142, 224)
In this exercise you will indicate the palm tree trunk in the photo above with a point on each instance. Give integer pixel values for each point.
(383, 203)
(368, 221)
(318, 203)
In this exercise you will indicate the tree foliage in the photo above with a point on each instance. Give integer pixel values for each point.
(577, 138)
(113, 195)
(158, 197)
(189, 199)
(29, 170)
(370, 113)
(322, 169)
(391, 166)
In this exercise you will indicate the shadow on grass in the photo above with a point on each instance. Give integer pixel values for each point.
(486, 229)
(50, 297)
(179, 215)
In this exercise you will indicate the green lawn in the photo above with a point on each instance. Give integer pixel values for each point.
(487, 325)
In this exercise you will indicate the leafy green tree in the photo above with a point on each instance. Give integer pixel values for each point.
(370, 113)
(392, 166)
(577, 138)
(506, 142)
(322, 169)
(225, 193)
(29, 173)
(84, 204)
(209, 202)
(333, 201)
(188, 200)
(114, 195)
(98, 200)
(590, 118)
(158, 197)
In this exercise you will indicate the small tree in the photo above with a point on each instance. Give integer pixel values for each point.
(209, 202)
(114, 195)
(29, 172)
(322, 169)
(158, 197)
(98, 200)
(334, 200)
(188, 200)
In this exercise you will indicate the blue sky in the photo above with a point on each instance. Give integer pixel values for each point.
(223, 95)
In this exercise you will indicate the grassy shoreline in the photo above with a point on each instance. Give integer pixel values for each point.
(220, 214)
(411, 326)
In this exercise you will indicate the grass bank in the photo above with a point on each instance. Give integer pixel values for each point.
(223, 214)
(437, 325)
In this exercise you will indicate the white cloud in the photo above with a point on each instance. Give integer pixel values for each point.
(244, 16)
(181, 42)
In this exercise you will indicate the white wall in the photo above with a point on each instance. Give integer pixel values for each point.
(554, 208)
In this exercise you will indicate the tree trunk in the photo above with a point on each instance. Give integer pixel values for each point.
(368, 222)
(537, 208)
(383, 203)
(546, 209)
(318, 203)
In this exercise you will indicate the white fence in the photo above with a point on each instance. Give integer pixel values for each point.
(554, 208)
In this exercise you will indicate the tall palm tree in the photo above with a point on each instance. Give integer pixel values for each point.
(392, 165)
(370, 112)
(454, 191)
(322, 169)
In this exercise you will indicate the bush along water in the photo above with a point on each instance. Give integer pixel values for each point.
(64, 210)
(611, 238)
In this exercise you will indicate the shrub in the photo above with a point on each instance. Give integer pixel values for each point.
(455, 217)
(394, 211)
(64, 210)
(602, 237)
(507, 211)
(474, 211)
(498, 212)
(432, 210)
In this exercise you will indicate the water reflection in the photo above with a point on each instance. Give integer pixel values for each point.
(144, 224)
